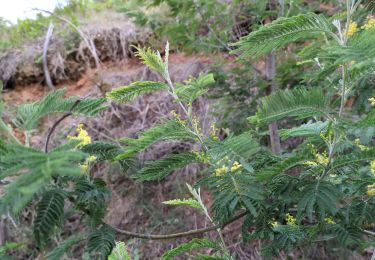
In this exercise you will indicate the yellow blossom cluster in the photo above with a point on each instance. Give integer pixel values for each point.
(236, 165)
(352, 29)
(371, 190)
(329, 220)
(362, 147)
(178, 117)
(273, 223)
(85, 165)
(372, 101)
(195, 125)
(82, 136)
(213, 131)
(373, 166)
(369, 24)
(320, 159)
(84, 139)
(220, 171)
(224, 169)
(290, 220)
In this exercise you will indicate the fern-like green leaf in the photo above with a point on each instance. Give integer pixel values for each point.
(37, 170)
(184, 202)
(49, 215)
(64, 246)
(100, 242)
(353, 159)
(194, 88)
(322, 196)
(280, 167)
(347, 235)
(108, 152)
(153, 60)
(299, 103)
(91, 198)
(128, 93)
(120, 252)
(309, 129)
(186, 247)
(238, 147)
(28, 115)
(281, 32)
(171, 130)
(159, 169)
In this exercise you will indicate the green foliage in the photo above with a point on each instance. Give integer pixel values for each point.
(300, 103)
(240, 147)
(100, 242)
(50, 212)
(128, 93)
(186, 247)
(59, 251)
(320, 196)
(153, 60)
(281, 32)
(91, 198)
(309, 129)
(38, 169)
(184, 202)
(159, 169)
(120, 252)
(28, 115)
(171, 130)
(194, 88)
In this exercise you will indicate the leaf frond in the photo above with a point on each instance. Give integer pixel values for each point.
(135, 89)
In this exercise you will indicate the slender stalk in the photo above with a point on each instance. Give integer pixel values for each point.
(188, 113)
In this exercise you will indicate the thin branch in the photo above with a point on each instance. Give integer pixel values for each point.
(182, 234)
(52, 129)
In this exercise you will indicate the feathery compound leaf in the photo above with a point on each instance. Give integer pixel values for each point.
(282, 32)
(153, 60)
(37, 171)
(240, 146)
(194, 88)
(63, 247)
(120, 252)
(347, 235)
(108, 152)
(353, 158)
(28, 115)
(299, 103)
(101, 242)
(50, 212)
(322, 196)
(171, 130)
(159, 169)
(128, 93)
(91, 197)
(186, 247)
(184, 202)
(280, 167)
(309, 129)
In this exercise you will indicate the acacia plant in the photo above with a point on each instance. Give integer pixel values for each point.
(322, 191)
